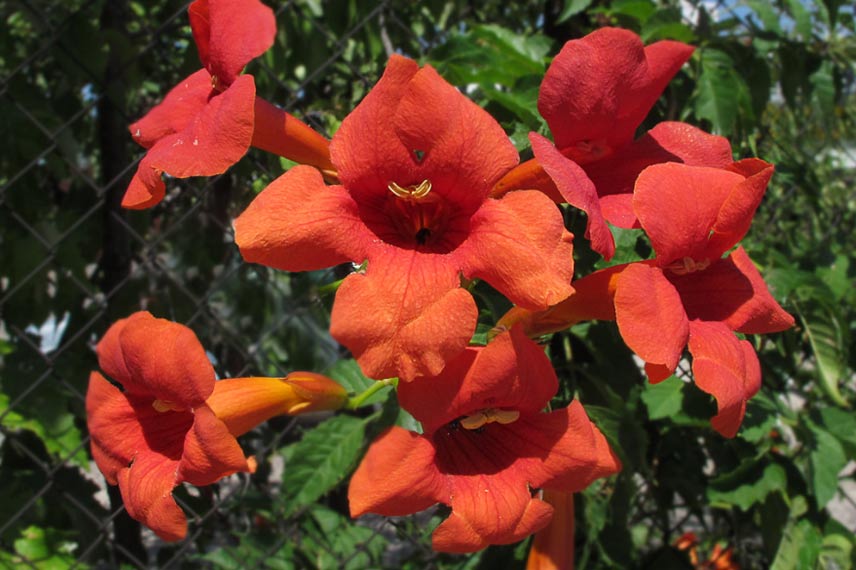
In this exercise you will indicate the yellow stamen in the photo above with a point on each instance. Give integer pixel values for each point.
(488, 416)
(166, 406)
(215, 82)
(413, 192)
(688, 265)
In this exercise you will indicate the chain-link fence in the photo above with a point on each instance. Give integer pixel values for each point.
(73, 76)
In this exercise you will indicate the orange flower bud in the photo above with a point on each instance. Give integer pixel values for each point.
(244, 403)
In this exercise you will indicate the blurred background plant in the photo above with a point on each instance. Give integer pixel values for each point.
(776, 78)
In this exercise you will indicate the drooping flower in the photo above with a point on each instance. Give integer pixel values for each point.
(416, 160)
(486, 446)
(171, 422)
(689, 295)
(594, 96)
(207, 122)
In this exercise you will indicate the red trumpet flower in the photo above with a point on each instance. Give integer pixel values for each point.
(417, 161)
(486, 445)
(594, 96)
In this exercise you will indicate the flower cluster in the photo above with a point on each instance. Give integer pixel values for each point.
(423, 192)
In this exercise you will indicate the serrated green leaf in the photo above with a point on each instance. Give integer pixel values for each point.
(826, 460)
(321, 460)
(830, 349)
(800, 546)
(747, 485)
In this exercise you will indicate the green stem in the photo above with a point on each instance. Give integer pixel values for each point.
(359, 399)
(329, 287)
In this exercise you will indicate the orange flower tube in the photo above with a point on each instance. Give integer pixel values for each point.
(244, 403)
(553, 546)
(283, 134)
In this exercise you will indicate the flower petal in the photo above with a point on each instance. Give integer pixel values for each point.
(577, 190)
(146, 489)
(650, 315)
(175, 112)
(114, 429)
(210, 451)
(732, 291)
(720, 369)
(573, 452)
(407, 130)
(406, 316)
(157, 358)
(488, 485)
(615, 176)
(215, 139)
(511, 372)
(599, 89)
(677, 206)
(489, 513)
(146, 188)
(397, 476)
(462, 164)
(520, 246)
(229, 34)
(735, 215)
(298, 223)
(365, 150)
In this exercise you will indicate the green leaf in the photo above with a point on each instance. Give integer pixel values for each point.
(320, 460)
(55, 427)
(42, 549)
(801, 542)
(826, 460)
(768, 15)
(664, 399)
(828, 342)
(332, 541)
(721, 91)
(490, 55)
(760, 418)
(571, 9)
(842, 425)
(802, 18)
(747, 485)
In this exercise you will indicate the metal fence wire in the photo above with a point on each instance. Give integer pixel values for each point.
(73, 75)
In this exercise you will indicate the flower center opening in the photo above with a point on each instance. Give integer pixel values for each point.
(488, 416)
(166, 406)
(688, 265)
(418, 215)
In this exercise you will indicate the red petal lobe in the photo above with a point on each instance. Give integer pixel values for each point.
(298, 223)
(577, 190)
(406, 316)
(520, 246)
(650, 315)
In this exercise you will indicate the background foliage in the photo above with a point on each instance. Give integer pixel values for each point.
(776, 78)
